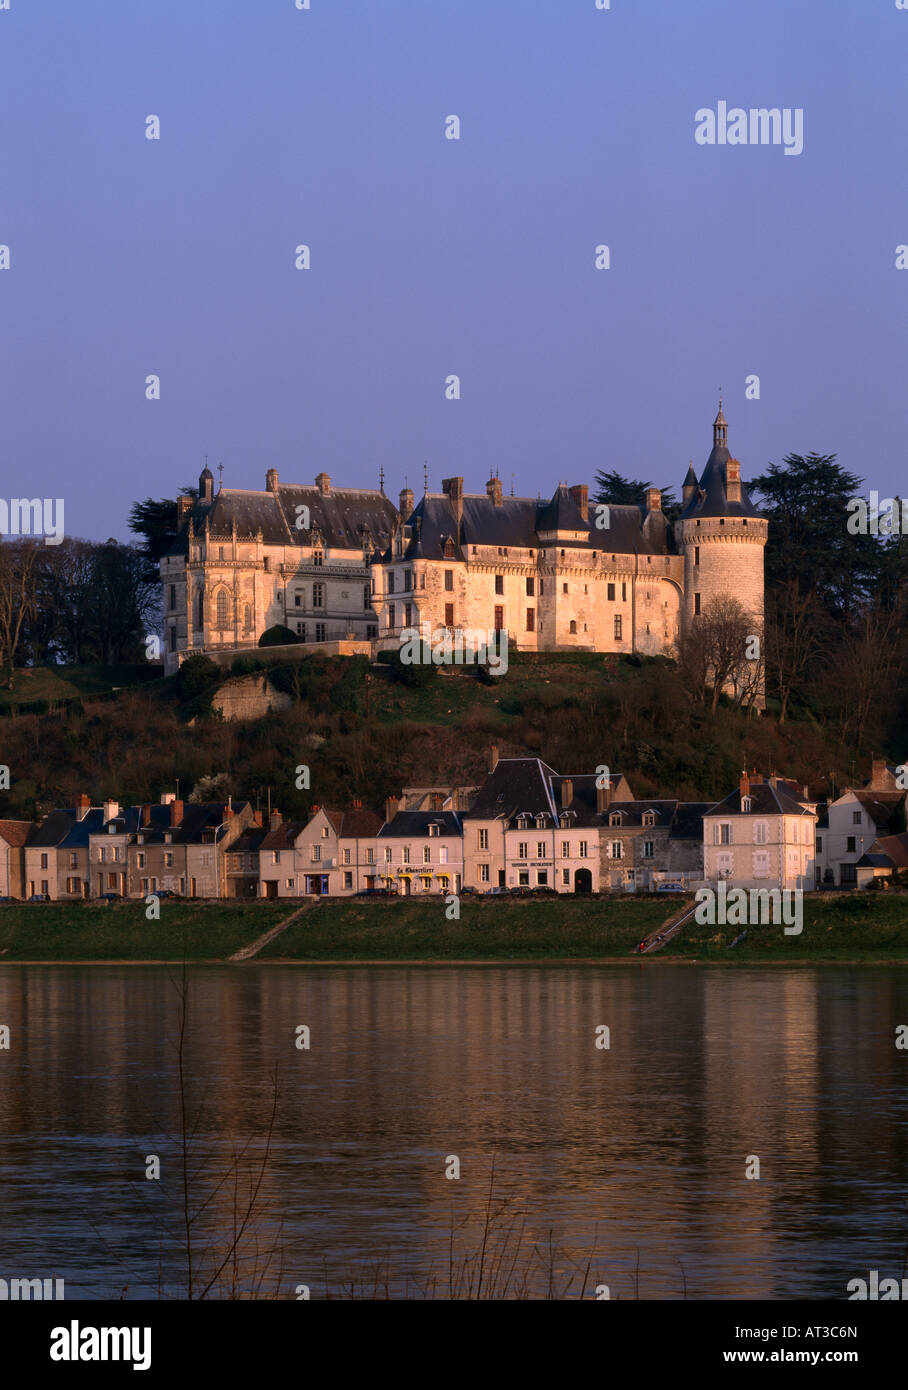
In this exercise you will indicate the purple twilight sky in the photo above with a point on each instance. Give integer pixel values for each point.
(429, 256)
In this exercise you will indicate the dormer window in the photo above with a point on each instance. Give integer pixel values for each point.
(522, 822)
(745, 805)
(540, 822)
(433, 829)
(615, 818)
(649, 818)
(318, 557)
(449, 549)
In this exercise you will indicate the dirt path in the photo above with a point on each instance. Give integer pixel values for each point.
(247, 952)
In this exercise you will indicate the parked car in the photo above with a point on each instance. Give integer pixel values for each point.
(39, 898)
(111, 898)
(376, 893)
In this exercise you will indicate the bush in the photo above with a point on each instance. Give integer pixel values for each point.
(413, 674)
(247, 665)
(278, 636)
(198, 675)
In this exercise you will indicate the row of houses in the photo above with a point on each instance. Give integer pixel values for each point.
(526, 827)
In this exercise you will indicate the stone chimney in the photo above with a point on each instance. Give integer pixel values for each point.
(453, 490)
(493, 757)
(581, 495)
(271, 480)
(406, 502)
(392, 806)
(773, 779)
(567, 792)
(145, 817)
(733, 481)
(276, 820)
(111, 810)
(603, 798)
(493, 491)
(323, 483)
(167, 797)
(184, 505)
(83, 806)
(879, 774)
(176, 812)
(653, 499)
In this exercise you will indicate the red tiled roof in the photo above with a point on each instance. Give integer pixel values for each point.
(15, 832)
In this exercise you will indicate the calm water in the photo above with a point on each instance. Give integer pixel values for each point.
(631, 1160)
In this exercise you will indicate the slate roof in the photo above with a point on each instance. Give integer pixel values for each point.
(881, 807)
(52, 830)
(415, 824)
(343, 518)
(283, 836)
(711, 497)
(516, 786)
(765, 800)
(688, 820)
(517, 521)
(249, 842)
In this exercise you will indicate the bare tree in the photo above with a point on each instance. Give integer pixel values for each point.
(18, 588)
(795, 639)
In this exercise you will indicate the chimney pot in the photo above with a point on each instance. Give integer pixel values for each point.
(653, 499)
(276, 820)
(493, 490)
(406, 502)
(392, 806)
(271, 480)
(323, 483)
(603, 798)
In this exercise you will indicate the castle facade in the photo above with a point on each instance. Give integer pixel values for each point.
(334, 564)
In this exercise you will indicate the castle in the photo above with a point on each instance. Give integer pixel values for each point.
(336, 565)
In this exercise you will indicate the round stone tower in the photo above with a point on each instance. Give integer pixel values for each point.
(721, 536)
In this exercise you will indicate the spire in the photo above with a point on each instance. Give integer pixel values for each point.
(720, 429)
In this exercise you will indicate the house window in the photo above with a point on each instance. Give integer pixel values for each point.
(819, 844)
(483, 839)
(649, 818)
(499, 583)
(173, 595)
(617, 627)
(565, 849)
(348, 880)
(390, 615)
(523, 878)
(408, 615)
(449, 549)
(370, 856)
(367, 597)
(301, 629)
(648, 846)
(564, 587)
(426, 854)
(855, 818)
(850, 846)
(140, 860)
(696, 555)
(760, 831)
(617, 850)
(442, 854)
(522, 850)
(405, 855)
(201, 609)
(316, 853)
(318, 558)
(220, 552)
(433, 829)
(725, 836)
(449, 615)
(540, 849)
(499, 618)
(531, 620)
(408, 580)
(696, 605)
(761, 863)
(275, 856)
(221, 609)
(390, 581)
(573, 626)
(610, 592)
(449, 581)
(389, 854)
(531, 588)
(483, 873)
(319, 632)
(566, 877)
(542, 878)
(318, 595)
(583, 849)
(297, 599)
(346, 856)
(73, 859)
(745, 805)
(615, 818)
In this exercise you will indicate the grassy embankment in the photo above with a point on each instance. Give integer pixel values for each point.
(836, 928)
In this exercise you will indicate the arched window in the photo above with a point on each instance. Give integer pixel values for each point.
(247, 618)
(449, 549)
(573, 626)
(221, 609)
(201, 609)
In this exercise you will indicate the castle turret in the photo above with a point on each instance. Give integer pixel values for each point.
(721, 535)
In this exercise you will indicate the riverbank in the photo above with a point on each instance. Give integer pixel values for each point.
(838, 928)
